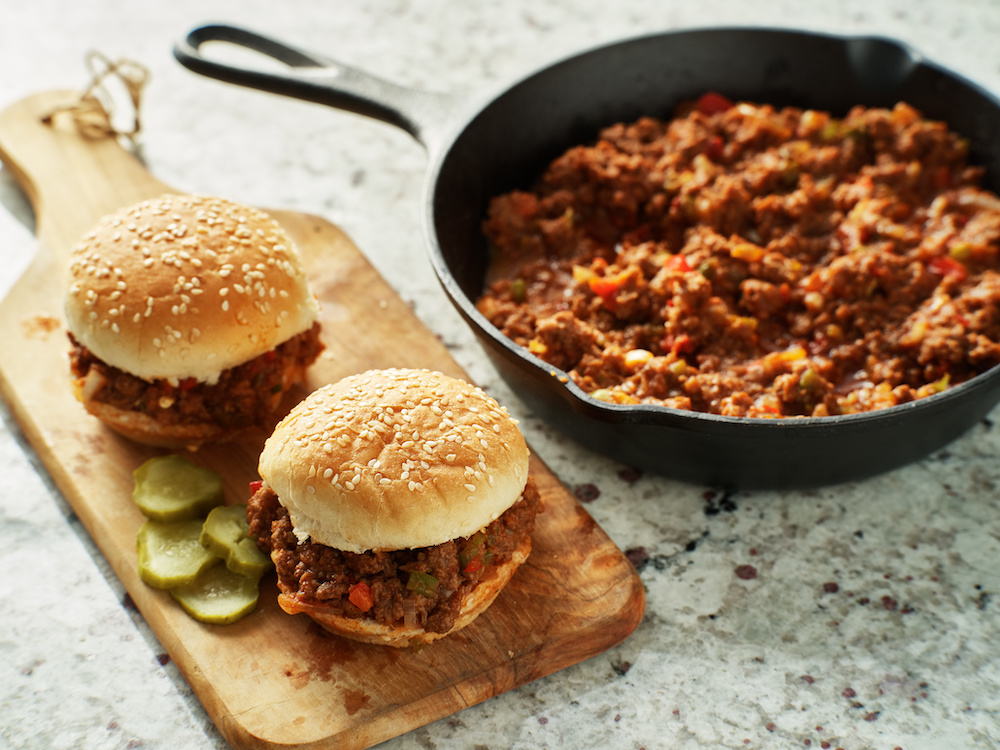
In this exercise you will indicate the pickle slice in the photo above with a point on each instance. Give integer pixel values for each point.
(227, 534)
(170, 553)
(218, 595)
(171, 488)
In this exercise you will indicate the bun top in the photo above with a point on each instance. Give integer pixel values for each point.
(395, 459)
(186, 286)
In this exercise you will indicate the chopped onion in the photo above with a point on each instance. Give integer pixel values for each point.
(979, 199)
(92, 383)
(409, 613)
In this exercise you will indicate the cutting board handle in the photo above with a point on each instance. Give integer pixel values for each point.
(55, 164)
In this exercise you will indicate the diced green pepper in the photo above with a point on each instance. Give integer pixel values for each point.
(519, 290)
(810, 379)
(472, 549)
(422, 583)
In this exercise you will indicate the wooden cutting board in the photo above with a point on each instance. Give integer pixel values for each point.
(272, 679)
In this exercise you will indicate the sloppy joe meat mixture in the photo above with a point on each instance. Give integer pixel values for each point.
(241, 398)
(751, 261)
(314, 574)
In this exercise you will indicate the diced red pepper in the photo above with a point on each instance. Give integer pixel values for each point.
(470, 558)
(771, 408)
(682, 344)
(360, 595)
(255, 486)
(713, 103)
(603, 287)
(607, 289)
(677, 263)
(187, 384)
(945, 265)
(714, 148)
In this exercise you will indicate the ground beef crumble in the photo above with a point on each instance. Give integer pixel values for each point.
(317, 574)
(243, 396)
(757, 262)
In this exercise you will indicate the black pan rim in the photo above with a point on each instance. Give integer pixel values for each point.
(652, 414)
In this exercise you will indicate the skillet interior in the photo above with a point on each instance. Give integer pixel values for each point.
(508, 143)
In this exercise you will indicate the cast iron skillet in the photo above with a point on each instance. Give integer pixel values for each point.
(480, 150)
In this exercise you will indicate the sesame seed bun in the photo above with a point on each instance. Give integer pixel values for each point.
(186, 286)
(403, 636)
(395, 459)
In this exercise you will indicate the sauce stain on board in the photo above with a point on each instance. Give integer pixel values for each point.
(40, 326)
(326, 652)
(355, 700)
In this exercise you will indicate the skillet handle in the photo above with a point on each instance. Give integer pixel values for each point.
(311, 77)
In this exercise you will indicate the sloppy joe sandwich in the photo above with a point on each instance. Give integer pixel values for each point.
(395, 504)
(188, 317)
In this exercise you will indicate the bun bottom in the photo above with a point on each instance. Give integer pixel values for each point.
(400, 636)
(141, 428)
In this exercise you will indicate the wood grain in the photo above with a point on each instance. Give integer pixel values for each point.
(272, 679)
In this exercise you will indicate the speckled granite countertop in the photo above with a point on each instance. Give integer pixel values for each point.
(856, 616)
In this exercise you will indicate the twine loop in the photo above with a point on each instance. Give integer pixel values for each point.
(94, 112)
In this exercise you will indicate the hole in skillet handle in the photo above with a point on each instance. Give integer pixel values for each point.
(302, 75)
(236, 54)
